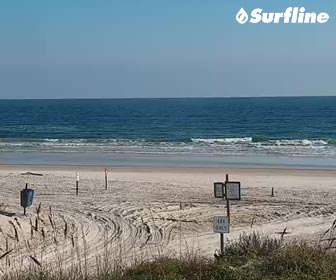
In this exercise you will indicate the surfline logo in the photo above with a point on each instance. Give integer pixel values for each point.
(290, 15)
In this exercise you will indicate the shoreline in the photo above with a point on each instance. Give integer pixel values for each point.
(169, 169)
(146, 160)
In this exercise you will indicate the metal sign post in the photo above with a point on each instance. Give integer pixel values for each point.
(229, 191)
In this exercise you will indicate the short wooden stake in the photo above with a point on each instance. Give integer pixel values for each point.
(272, 194)
(253, 220)
(106, 178)
(77, 182)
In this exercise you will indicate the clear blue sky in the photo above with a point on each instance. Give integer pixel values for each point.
(161, 48)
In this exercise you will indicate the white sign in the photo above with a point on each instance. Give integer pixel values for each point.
(221, 224)
(219, 190)
(232, 190)
(77, 176)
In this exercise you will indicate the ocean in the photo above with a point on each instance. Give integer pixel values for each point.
(293, 128)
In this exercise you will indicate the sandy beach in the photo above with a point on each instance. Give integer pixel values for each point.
(147, 212)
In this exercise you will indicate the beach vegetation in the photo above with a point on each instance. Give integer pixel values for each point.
(250, 257)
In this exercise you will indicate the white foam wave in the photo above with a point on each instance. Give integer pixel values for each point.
(250, 141)
(223, 140)
(225, 146)
(300, 142)
(51, 140)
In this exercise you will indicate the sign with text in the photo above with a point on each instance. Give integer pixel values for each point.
(219, 190)
(221, 224)
(232, 191)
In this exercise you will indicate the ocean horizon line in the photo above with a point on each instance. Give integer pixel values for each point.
(174, 98)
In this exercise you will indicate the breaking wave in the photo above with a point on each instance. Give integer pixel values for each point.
(223, 140)
(225, 146)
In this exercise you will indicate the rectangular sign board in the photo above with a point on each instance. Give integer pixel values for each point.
(232, 191)
(219, 190)
(221, 224)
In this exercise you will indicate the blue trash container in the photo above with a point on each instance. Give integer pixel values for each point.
(27, 197)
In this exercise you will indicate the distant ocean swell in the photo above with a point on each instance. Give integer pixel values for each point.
(225, 146)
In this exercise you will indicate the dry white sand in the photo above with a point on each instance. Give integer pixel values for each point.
(146, 212)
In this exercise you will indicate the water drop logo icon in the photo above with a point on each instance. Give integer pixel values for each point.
(242, 16)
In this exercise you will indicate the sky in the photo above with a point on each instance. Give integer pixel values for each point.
(162, 48)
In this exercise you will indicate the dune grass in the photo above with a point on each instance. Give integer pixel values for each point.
(251, 257)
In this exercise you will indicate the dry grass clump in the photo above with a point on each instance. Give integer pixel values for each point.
(251, 257)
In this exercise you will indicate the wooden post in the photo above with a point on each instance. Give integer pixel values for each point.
(272, 194)
(227, 200)
(222, 243)
(228, 214)
(24, 208)
(222, 236)
(105, 179)
(77, 182)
